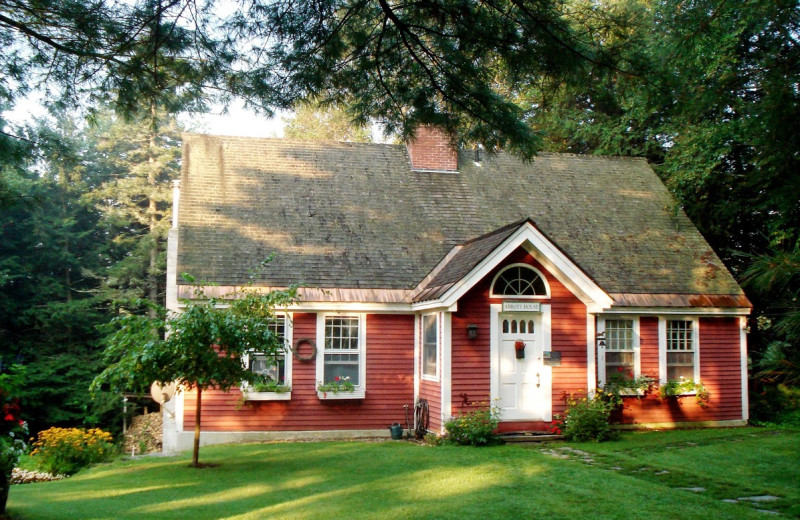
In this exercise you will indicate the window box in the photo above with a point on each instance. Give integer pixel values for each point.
(266, 396)
(358, 393)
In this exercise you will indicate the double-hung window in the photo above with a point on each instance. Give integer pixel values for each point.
(681, 350)
(618, 356)
(430, 344)
(273, 370)
(342, 357)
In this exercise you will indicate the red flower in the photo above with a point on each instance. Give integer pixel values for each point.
(620, 369)
(9, 417)
(336, 378)
(519, 345)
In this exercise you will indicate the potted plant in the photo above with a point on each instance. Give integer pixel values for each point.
(519, 349)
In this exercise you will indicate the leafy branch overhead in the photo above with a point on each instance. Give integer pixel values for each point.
(448, 62)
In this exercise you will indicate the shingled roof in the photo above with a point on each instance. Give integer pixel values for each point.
(351, 215)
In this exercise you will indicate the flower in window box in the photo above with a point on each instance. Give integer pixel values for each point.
(339, 384)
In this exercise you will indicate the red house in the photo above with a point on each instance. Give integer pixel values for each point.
(426, 270)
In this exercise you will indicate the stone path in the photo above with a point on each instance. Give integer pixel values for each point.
(566, 452)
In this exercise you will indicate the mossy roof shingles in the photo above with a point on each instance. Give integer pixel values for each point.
(356, 216)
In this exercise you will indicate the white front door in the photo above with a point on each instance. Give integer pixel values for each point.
(524, 382)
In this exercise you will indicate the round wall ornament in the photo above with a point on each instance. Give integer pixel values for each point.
(304, 349)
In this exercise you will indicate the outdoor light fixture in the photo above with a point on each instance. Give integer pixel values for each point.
(601, 339)
(472, 331)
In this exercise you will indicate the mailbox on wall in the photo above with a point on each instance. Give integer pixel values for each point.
(551, 358)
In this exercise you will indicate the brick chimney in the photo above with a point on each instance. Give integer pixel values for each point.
(432, 150)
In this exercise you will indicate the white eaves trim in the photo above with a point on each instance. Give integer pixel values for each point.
(681, 311)
(546, 253)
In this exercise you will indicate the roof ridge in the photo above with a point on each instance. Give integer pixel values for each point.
(498, 231)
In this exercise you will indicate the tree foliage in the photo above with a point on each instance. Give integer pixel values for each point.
(714, 108)
(453, 63)
(315, 122)
(203, 348)
(75, 244)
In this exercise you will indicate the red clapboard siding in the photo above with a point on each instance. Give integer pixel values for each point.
(471, 364)
(720, 372)
(390, 385)
(648, 346)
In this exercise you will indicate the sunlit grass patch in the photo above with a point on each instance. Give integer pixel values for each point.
(397, 480)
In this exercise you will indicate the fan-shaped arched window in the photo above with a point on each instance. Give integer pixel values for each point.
(520, 281)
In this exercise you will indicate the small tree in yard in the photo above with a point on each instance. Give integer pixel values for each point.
(202, 349)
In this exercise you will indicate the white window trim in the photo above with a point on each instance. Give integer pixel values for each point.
(544, 296)
(601, 353)
(438, 319)
(360, 391)
(250, 395)
(662, 346)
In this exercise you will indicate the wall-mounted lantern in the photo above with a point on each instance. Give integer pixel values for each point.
(601, 339)
(472, 331)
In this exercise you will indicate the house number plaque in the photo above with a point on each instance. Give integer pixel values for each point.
(522, 307)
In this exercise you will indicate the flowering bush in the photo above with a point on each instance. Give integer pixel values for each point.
(588, 418)
(557, 425)
(339, 384)
(13, 430)
(476, 428)
(64, 451)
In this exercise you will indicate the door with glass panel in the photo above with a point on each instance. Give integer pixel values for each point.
(524, 380)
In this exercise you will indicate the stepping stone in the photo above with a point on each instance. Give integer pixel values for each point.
(662, 472)
(697, 489)
(730, 500)
(768, 511)
(761, 498)
(617, 468)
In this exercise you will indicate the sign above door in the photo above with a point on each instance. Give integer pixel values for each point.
(522, 307)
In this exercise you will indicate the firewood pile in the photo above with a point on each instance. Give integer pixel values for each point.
(144, 434)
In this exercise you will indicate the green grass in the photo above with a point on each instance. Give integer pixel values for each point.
(401, 480)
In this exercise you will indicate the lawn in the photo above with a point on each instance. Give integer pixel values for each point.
(636, 477)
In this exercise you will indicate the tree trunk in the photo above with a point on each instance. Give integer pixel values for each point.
(196, 449)
(5, 484)
(152, 211)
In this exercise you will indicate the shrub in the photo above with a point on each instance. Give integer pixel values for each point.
(64, 451)
(476, 428)
(431, 439)
(588, 419)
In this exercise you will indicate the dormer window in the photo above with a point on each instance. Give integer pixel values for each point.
(519, 281)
